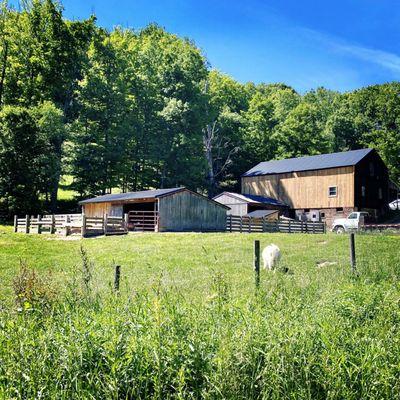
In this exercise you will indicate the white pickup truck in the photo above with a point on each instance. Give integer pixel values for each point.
(354, 221)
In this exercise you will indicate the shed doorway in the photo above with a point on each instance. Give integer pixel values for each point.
(142, 216)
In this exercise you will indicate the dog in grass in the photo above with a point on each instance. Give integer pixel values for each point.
(271, 256)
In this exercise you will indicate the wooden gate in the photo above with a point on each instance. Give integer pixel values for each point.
(143, 221)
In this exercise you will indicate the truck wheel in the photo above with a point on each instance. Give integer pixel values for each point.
(339, 229)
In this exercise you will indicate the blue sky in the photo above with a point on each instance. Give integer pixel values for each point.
(340, 44)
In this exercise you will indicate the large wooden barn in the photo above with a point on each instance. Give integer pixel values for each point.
(175, 209)
(324, 186)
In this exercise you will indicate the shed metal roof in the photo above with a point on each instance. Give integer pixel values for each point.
(309, 163)
(144, 194)
(250, 198)
(261, 213)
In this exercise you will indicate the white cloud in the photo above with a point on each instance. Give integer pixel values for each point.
(382, 58)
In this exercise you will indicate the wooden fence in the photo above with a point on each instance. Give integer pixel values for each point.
(68, 224)
(237, 223)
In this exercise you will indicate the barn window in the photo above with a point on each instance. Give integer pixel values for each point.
(339, 210)
(322, 215)
(363, 191)
(332, 191)
(380, 194)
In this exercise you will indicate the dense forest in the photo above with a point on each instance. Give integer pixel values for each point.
(136, 109)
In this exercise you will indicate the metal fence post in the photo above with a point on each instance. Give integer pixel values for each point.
(15, 223)
(257, 262)
(117, 277)
(352, 253)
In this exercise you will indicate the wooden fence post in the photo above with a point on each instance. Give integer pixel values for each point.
(126, 221)
(53, 224)
(27, 223)
(83, 232)
(15, 223)
(263, 224)
(230, 223)
(352, 253)
(249, 222)
(39, 226)
(117, 277)
(290, 229)
(105, 222)
(257, 262)
(313, 227)
(241, 223)
(67, 220)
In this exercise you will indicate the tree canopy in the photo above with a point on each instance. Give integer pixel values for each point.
(135, 109)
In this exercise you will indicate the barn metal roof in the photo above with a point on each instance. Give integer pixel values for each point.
(250, 198)
(261, 213)
(144, 194)
(322, 161)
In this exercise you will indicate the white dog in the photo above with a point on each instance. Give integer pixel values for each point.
(271, 256)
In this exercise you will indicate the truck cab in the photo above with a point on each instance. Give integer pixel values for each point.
(353, 222)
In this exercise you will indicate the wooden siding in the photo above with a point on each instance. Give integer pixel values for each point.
(187, 211)
(96, 209)
(372, 181)
(237, 206)
(306, 189)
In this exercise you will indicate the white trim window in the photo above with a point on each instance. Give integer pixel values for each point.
(332, 191)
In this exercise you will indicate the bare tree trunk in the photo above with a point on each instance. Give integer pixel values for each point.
(212, 149)
(208, 149)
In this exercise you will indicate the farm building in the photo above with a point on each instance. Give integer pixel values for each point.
(176, 209)
(242, 205)
(324, 186)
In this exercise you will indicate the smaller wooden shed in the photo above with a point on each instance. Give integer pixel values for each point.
(174, 209)
(243, 204)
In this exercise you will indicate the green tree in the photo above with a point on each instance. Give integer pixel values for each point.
(163, 74)
(21, 157)
(222, 137)
(52, 131)
(99, 131)
(302, 133)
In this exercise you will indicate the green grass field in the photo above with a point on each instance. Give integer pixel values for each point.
(189, 324)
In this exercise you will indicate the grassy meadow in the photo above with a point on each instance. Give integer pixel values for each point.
(188, 322)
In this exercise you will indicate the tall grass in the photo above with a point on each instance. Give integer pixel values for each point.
(319, 333)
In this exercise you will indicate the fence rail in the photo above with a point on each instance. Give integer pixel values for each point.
(68, 224)
(237, 223)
